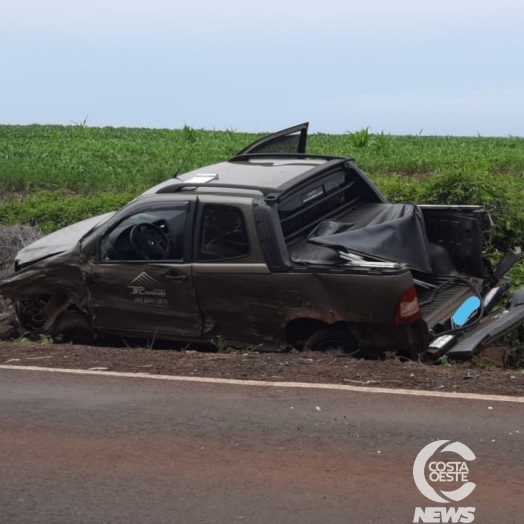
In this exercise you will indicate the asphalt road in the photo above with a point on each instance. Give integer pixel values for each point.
(92, 449)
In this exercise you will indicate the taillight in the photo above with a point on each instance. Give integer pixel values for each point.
(408, 310)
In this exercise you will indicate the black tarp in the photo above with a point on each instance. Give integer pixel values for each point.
(392, 232)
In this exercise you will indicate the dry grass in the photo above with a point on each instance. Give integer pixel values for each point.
(12, 240)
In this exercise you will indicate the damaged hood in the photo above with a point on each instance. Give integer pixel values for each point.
(59, 241)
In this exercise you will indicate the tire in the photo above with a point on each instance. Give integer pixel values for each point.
(29, 313)
(332, 340)
(73, 327)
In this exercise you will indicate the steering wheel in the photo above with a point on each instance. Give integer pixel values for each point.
(149, 242)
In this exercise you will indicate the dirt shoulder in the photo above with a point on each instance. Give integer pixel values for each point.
(465, 377)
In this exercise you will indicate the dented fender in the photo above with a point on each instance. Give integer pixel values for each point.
(61, 278)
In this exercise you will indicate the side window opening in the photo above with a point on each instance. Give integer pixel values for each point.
(155, 234)
(223, 233)
(283, 144)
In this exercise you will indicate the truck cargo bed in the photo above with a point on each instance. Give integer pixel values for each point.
(445, 295)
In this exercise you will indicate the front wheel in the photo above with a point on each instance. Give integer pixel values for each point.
(30, 313)
(72, 327)
(332, 340)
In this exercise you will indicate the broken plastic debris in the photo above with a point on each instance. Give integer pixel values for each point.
(98, 369)
(318, 408)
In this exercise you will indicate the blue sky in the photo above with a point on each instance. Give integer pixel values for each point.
(451, 67)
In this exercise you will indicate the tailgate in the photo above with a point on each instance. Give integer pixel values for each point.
(441, 297)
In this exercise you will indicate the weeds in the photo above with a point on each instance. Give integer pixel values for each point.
(53, 210)
(151, 343)
(42, 339)
(382, 142)
(82, 123)
(223, 347)
(45, 339)
(360, 138)
(189, 134)
(485, 363)
(445, 362)
(22, 340)
(514, 354)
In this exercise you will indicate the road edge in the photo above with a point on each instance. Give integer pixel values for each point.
(263, 383)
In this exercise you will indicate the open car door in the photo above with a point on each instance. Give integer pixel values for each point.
(291, 140)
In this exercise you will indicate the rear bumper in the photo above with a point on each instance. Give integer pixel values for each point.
(490, 328)
(413, 338)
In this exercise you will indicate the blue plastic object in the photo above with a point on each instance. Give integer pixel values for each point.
(465, 311)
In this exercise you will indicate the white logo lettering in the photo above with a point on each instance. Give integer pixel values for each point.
(444, 515)
(139, 290)
(443, 471)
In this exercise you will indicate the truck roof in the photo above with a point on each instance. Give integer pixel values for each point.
(262, 173)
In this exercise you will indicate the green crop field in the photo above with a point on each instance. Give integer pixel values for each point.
(56, 175)
(88, 160)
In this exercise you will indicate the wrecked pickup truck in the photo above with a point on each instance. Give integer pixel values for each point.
(274, 248)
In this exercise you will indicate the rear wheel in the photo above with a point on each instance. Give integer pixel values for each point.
(332, 340)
